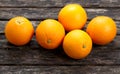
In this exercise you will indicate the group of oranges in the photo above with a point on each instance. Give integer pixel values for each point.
(67, 31)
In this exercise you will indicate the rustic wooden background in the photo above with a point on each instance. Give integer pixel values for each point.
(33, 59)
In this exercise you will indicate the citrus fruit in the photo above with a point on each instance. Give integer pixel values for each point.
(50, 33)
(102, 30)
(72, 16)
(77, 44)
(19, 30)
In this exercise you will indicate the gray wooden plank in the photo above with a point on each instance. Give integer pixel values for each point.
(59, 3)
(59, 69)
(36, 22)
(33, 44)
(35, 54)
(44, 13)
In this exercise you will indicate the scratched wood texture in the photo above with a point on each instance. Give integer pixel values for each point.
(33, 59)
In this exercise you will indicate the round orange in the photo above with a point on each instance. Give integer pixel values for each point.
(50, 33)
(102, 30)
(77, 44)
(19, 30)
(72, 16)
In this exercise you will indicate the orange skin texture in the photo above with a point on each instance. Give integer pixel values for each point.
(50, 34)
(72, 16)
(77, 44)
(19, 31)
(102, 30)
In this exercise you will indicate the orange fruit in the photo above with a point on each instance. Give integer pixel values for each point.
(77, 44)
(50, 33)
(72, 16)
(19, 30)
(102, 30)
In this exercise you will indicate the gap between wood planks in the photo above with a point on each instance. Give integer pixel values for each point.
(59, 65)
(54, 7)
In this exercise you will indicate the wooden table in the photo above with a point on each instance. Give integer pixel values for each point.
(33, 59)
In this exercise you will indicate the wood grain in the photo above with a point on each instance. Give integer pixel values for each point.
(44, 13)
(33, 54)
(59, 69)
(58, 3)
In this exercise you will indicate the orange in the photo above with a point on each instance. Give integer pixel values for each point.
(77, 44)
(72, 16)
(50, 33)
(102, 30)
(19, 30)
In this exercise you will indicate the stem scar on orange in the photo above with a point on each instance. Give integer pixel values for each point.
(102, 30)
(77, 44)
(19, 30)
(50, 33)
(72, 16)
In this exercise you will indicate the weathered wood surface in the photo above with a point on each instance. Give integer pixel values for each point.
(33, 59)
(59, 70)
(32, 53)
(44, 13)
(58, 3)
(40, 56)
